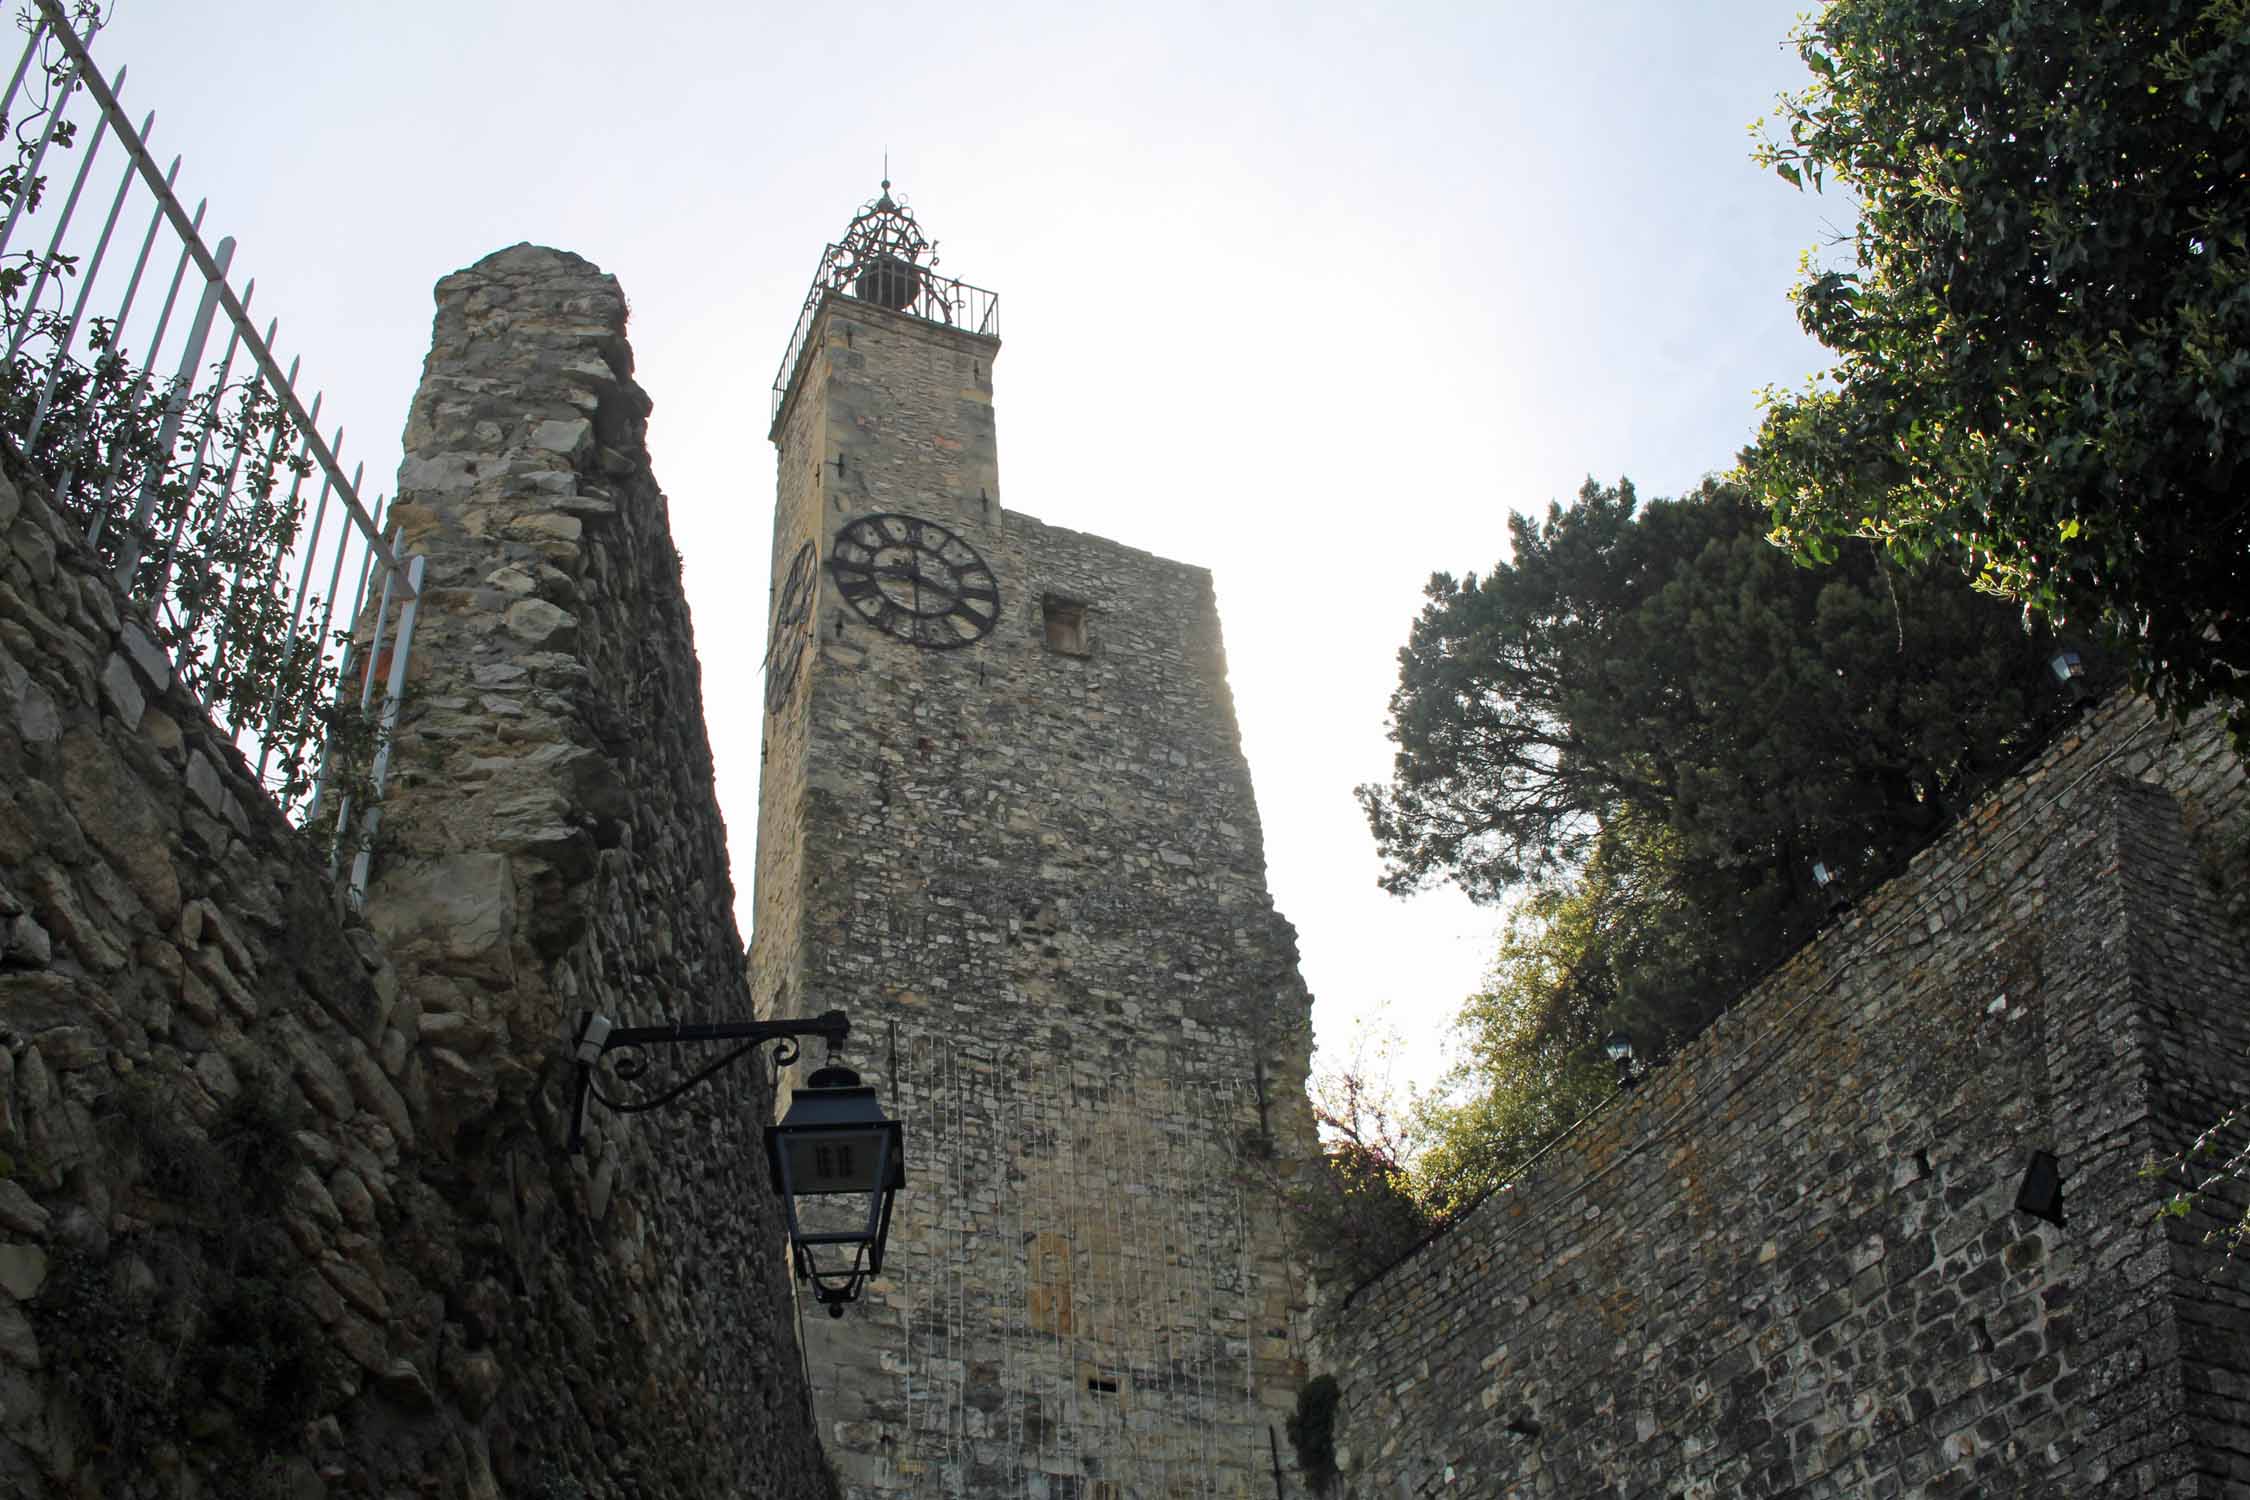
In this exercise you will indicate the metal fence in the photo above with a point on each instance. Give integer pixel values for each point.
(208, 491)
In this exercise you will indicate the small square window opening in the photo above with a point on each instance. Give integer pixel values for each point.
(1066, 626)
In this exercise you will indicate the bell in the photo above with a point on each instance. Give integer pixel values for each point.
(888, 281)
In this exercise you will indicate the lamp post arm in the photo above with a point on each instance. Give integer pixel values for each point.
(833, 1026)
(596, 1037)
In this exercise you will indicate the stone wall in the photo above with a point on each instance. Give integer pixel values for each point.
(1031, 869)
(281, 1216)
(1789, 1263)
(552, 843)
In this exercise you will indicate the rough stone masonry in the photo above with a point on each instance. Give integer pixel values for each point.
(284, 1208)
(1790, 1262)
(1030, 866)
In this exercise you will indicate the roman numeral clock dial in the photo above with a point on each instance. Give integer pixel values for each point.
(916, 580)
(786, 647)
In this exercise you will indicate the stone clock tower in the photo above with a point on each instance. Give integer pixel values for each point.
(1005, 823)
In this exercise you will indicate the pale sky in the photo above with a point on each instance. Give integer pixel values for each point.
(1312, 296)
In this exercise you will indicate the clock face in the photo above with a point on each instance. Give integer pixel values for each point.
(792, 608)
(916, 580)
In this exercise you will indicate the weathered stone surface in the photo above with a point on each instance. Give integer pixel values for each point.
(203, 780)
(374, 1093)
(123, 820)
(25, 702)
(123, 691)
(567, 437)
(193, 1109)
(474, 1378)
(460, 908)
(557, 723)
(403, 1381)
(23, 1270)
(355, 1286)
(1790, 1261)
(163, 731)
(1031, 869)
(349, 1193)
(18, 1212)
(147, 657)
(19, 1342)
(535, 622)
(56, 901)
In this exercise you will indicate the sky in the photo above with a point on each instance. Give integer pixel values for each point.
(1313, 296)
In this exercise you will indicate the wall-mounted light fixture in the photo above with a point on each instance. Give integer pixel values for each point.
(2070, 670)
(1619, 1046)
(836, 1159)
(1828, 881)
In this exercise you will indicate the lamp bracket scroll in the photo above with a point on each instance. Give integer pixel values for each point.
(597, 1037)
(836, 1160)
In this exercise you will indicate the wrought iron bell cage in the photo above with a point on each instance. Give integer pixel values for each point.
(880, 257)
(884, 258)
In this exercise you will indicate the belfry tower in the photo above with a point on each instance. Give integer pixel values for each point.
(1006, 824)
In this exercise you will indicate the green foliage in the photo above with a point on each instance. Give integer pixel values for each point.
(1644, 727)
(2214, 1166)
(1666, 663)
(2042, 327)
(1361, 1211)
(1527, 1066)
(1312, 1432)
(192, 492)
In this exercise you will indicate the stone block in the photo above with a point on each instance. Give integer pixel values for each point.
(149, 659)
(121, 690)
(120, 816)
(538, 623)
(460, 909)
(569, 437)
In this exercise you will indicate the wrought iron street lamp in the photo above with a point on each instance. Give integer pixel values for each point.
(1619, 1046)
(1830, 884)
(836, 1159)
(837, 1162)
(2070, 670)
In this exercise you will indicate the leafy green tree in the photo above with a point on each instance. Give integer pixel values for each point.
(1665, 662)
(1525, 1070)
(1360, 1209)
(1644, 727)
(2042, 329)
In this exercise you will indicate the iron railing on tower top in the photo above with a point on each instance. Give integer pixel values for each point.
(902, 286)
(193, 487)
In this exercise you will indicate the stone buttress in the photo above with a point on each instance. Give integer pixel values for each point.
(551, 842)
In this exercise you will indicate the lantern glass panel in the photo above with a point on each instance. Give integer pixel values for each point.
(834, 1161)
(836, 1215)
(835, 1218)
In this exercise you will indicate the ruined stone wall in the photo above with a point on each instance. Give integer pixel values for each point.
(552, 843)
(281, 1216)
(1034, 878)
(1788, 1263)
